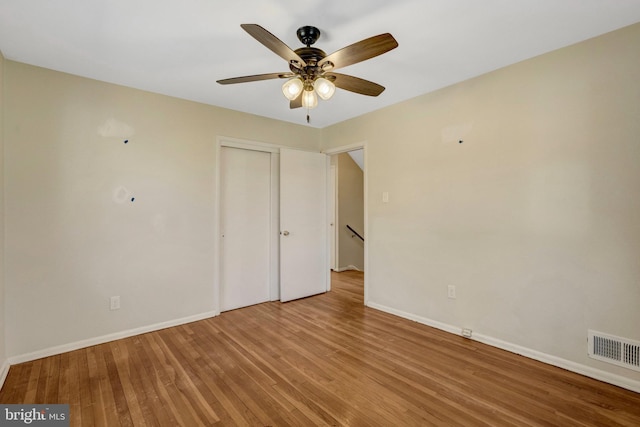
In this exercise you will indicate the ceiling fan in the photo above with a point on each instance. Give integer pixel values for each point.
(311, 70)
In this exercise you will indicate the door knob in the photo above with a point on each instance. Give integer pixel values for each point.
(285, 233)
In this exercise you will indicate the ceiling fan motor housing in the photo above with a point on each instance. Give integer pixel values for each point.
(310, 54)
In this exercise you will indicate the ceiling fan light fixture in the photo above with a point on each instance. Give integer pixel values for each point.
(309, 99)
(325, 88)
(292, 88)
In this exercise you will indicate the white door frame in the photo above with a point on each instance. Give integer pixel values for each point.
(274, 275)
(345, 149)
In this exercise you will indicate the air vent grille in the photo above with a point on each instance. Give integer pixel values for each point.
(616, 350)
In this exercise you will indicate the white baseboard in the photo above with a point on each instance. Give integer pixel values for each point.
(51, 351)
(347, 268)
(4, 370)
(578, 368)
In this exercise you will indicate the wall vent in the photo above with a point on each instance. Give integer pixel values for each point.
(616, 350)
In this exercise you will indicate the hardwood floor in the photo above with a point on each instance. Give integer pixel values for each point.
(324, 360)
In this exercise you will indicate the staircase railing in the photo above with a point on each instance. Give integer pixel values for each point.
(355, 233)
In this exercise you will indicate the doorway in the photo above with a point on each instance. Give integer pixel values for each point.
(348, 244)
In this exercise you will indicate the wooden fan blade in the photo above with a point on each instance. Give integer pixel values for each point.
(296, 103)
(255, 78)
(355, 84)
(273, 43)
(360, 51)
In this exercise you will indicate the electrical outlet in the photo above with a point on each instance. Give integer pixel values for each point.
(451, 291)
(115, 303)
(466, 332)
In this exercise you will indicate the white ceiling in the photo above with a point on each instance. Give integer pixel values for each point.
(180, 48)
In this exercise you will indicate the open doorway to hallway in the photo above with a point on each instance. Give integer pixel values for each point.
(347, 246)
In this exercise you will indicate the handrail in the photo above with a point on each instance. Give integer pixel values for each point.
(355, 232)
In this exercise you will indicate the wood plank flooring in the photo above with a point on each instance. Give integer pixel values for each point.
(324, 360)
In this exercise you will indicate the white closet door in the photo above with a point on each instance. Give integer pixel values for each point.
(245, 197)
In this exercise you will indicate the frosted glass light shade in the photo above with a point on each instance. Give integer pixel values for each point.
(325, 88)
(309, 99)
(292, 88)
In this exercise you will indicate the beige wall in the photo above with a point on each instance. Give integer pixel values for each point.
(2, 270)
(535, 217)
(350, 211)
(75, 237)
